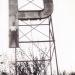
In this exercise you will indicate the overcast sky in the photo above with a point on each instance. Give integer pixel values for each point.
(64, 29)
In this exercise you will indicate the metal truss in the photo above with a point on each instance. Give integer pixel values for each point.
(33, 39)
(36, 56)
(16, 14)
(27, 2)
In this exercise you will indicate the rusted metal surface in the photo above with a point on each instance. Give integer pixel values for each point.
(13, 22)
(41, 14)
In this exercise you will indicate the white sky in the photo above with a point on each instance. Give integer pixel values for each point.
(64, 28)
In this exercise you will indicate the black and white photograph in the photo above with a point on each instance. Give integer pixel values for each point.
(37, 37)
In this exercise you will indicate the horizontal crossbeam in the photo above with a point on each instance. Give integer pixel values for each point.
(34, 60)
(33, 25)
(35, 41)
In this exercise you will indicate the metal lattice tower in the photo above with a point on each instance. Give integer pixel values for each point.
(32, 36)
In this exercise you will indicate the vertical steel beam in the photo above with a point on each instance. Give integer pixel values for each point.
(54, 47)
(13, 23)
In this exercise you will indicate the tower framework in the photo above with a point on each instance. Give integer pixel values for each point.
(32, 36)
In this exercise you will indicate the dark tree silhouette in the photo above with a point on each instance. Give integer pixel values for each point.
(3, 73)
(73, 73)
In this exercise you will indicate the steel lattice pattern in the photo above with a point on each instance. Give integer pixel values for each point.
(30, 5)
